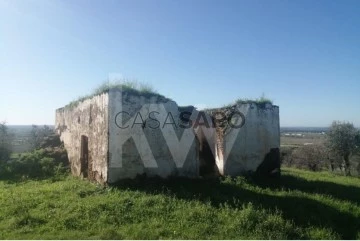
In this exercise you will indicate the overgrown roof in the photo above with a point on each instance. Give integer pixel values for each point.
(260, 102)
(146, 90)
(129, 87)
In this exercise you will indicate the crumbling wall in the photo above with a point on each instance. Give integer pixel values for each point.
(88, 118)
(129, 133)
(141, 145)
(253, 147)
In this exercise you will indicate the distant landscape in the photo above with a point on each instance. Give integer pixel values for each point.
(297, 136)
(21, 137)
(289, 136)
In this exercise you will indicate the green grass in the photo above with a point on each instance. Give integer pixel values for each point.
(300, 204)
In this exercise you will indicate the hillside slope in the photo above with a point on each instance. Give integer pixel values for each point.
(301, 204)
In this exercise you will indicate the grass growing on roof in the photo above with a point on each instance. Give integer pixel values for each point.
(262, 100)
(131, 87)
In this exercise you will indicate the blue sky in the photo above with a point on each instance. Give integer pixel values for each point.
(305, 55)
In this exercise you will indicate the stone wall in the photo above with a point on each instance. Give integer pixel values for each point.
(141, 145)
(86, 122)
(130, 134)
(252, 148)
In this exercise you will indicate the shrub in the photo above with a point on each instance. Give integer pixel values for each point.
(286, 155)
(36, 164)
(311, 157)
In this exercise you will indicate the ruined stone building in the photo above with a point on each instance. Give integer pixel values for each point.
(120, 134)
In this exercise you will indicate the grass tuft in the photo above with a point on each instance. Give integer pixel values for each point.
(262, 101)
(132, 87)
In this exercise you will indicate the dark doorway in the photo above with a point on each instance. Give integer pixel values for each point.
(84, 156)
(208, 166)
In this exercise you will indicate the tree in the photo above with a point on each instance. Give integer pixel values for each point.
(5, 142)
(343, 139)
(334, 160)
(38, 134)
(310, 157)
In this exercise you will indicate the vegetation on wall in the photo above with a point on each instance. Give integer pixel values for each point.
(130, 87)
(260, 102)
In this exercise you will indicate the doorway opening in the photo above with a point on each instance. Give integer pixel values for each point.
(84, 156)
(207, 166)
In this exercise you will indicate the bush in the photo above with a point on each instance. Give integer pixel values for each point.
(36, 164)
(311, 157)
(286, 154)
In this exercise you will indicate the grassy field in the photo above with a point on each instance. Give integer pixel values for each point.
(314, 138)
(300, 204)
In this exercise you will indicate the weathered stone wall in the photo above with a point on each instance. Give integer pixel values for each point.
(139, 145)
(255, 146)
(89, 118)
(131, 134)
